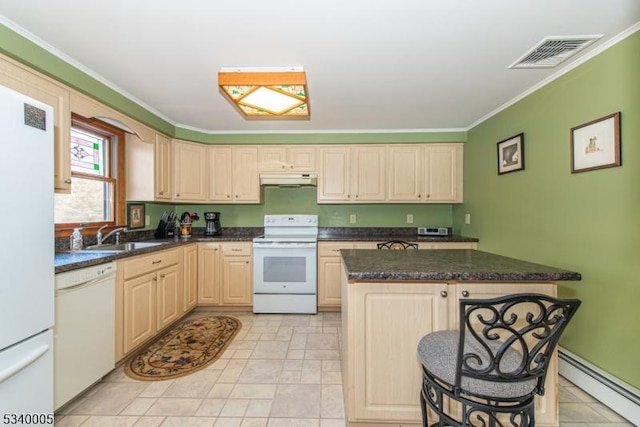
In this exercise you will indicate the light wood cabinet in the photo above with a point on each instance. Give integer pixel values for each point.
(237, 273)
(24, 80)
(162, 170)
(234, 174)
(190, 281)
(190, 171)
(330, 266)
(372, 315)
(225, 274)
(425, 173)
(352, 174)
(148, 168)
(209, 276)
(287, 158)
(149, 297)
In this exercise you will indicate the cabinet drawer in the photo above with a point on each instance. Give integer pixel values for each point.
(333, 248)
(146, 263)
(236, 249)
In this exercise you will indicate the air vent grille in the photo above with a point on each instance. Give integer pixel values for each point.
(551, 51)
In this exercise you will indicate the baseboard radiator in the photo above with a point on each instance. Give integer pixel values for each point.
(617, 395)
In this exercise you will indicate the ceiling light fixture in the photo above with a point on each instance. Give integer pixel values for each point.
(266, 92)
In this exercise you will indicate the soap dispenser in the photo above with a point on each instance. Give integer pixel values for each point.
(76, 240)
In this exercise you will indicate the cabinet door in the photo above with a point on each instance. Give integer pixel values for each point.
(190, 171)
(334, 178)
(330, 273)
(405, 173)
(376, 313)
(443, 173)
(273, 158)
(245, 181)
(162, 173)
(237, 280)
(209, 273)
(139, 310)
(168, 296)
(302, 159)
(220, 174)
(190, 282)
(369, 178)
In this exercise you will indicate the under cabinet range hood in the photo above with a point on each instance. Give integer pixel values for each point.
(289, 179)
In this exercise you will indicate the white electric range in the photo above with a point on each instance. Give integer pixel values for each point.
(285, 265)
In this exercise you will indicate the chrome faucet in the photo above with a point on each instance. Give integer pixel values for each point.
(100, 239)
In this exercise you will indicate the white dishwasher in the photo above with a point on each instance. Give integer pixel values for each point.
(84, 330)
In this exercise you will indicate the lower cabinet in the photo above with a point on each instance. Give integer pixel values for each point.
(330, 265)
(149, 297)
(225, 274)
(381, 374)
(190, 281)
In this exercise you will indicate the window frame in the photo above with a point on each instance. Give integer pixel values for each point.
(114, 160)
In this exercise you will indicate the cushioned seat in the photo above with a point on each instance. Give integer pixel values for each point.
(495, 364)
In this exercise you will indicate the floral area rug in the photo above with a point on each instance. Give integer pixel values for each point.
(186, 348)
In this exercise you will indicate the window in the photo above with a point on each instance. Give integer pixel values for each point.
(97, 177)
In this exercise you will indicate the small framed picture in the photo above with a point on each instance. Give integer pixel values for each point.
(511, 154)
(135, 215)
(596, 145)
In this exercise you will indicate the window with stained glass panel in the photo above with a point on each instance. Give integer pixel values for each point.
(94, 168)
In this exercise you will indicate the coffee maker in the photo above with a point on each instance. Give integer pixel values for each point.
(213, 227)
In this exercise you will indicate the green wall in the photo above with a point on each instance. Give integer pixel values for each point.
(302, 200)
(586, 222)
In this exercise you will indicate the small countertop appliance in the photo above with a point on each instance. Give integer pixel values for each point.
(213, 226)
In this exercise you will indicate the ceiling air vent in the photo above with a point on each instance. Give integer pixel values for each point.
(551, 51)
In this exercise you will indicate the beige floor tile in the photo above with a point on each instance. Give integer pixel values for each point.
(70, 420)
(284, 333)
(189, 422)
(261, 372)
(293, 422)
(234, 408)
(232, 371)
(253, 391)
(228, 422)
(582, 412)
(175, 407)
(332, 405)
(254, 422)
(298, 341)
(322, 354)
(295, 354)
(109, 421)
(296, 401)
(139, 406)
(331, 377)
(221, 390)
(210, 407)
(311, 372)
(149, 422)
(332, 423)
(322, 342)
(190, 386)
(270, 350)
(259, 408)
(110, 399)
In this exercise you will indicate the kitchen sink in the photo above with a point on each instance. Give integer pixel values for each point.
(122, 247)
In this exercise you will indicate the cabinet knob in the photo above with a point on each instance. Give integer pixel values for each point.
(156, 262)
(67, 181)
(428, 195)
(443, 294)
(177, 194)
(465, 294)
(419, 196)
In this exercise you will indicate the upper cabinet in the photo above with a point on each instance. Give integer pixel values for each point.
(233, 174)
(43, 89)
(189, 171)
(162, 168)
(425, 173)
(287, 158)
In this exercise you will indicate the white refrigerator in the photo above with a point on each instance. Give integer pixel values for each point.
(26, 260)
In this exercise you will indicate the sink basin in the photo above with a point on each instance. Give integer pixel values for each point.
(122, 247)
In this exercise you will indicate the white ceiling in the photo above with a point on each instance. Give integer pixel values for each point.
(372, 65)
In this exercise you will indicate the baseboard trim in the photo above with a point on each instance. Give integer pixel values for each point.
(616, 394)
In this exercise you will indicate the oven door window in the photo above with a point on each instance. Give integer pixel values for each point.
(285, 269)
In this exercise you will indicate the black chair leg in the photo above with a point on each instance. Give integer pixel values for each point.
(423, 405)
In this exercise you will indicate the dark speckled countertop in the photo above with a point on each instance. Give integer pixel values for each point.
(446, 265)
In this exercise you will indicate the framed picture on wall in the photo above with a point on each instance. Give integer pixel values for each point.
(596, 145)
(135, 215)
(511, 154)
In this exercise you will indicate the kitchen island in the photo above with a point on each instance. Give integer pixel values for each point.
(390, 299)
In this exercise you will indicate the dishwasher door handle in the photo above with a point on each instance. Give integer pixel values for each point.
(80, 285)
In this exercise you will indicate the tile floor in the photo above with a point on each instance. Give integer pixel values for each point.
(280, 371)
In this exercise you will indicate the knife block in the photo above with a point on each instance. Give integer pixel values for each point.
(165, 229)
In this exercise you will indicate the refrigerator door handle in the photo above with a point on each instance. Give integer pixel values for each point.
(7, 373)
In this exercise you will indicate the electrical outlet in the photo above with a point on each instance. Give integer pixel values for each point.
(147, 220)
(467, 219)
(409, 218)
(352, 218)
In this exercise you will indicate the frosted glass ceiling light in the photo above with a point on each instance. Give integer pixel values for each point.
(266, 92)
